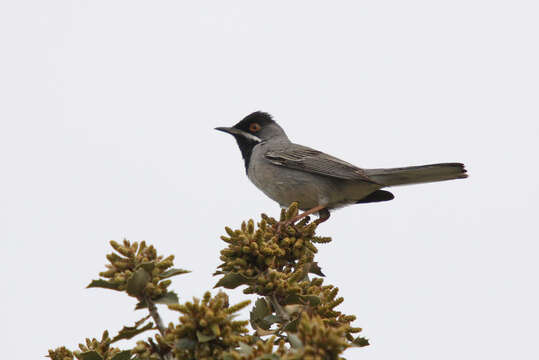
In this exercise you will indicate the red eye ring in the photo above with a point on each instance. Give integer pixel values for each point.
(254, 127)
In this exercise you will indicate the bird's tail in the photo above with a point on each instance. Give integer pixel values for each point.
(417, 174)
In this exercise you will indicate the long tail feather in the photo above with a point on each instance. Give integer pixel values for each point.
(417, 174)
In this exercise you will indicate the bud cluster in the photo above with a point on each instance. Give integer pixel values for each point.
(269, 257)
(262, 349)
(294, 319)
(206, 328)
(319, 341)
(145, 351)
(138, 270)
(61, 353)
(150, 350)
(102, 347)
(91, 349)
(325, 309)
(275, 263)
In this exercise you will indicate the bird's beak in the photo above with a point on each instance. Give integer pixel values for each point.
(237, 132)
(228, 130)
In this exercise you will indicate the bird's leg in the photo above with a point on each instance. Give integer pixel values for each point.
(324, 215)
(307, 213)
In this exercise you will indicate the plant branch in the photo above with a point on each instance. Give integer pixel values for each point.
(155, 316)
(158, 323)
(278, 308)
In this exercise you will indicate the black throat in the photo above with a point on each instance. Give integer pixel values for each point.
(246, 147)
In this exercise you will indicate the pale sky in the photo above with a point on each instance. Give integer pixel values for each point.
(106, 131)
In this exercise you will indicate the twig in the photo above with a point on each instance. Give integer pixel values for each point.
(158, 323)
(155, 315)
(278, 308)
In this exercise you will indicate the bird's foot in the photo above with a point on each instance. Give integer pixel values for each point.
(322, 211)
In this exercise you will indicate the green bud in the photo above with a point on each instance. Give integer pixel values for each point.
(250, 226)
(229, 231)
(215, 330)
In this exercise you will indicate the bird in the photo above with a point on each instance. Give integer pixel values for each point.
(287, 172)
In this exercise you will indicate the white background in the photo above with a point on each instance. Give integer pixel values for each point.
(107, 110)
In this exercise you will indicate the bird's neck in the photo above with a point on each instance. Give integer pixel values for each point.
(246, 147)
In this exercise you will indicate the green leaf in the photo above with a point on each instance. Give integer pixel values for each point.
(312, 300)
(141, 305)
(172, 272)
(231, 281)
(90, 355)
(124, 355)
(259, 312)
(292, 299)
(294, 341)
(148, 266)
(137, 282)
(272, 319)
(103, 284)
(204, 338)
(128, 332)
(360, 341)
(186, 344)
(292, 326)
(314, 268)
(169, 298)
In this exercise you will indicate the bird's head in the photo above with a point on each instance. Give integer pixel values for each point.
(252, 130)
(255, 128)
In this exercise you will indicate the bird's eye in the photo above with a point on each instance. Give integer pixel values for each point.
(254, 127)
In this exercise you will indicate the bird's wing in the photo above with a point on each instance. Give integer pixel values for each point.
(302, 158)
